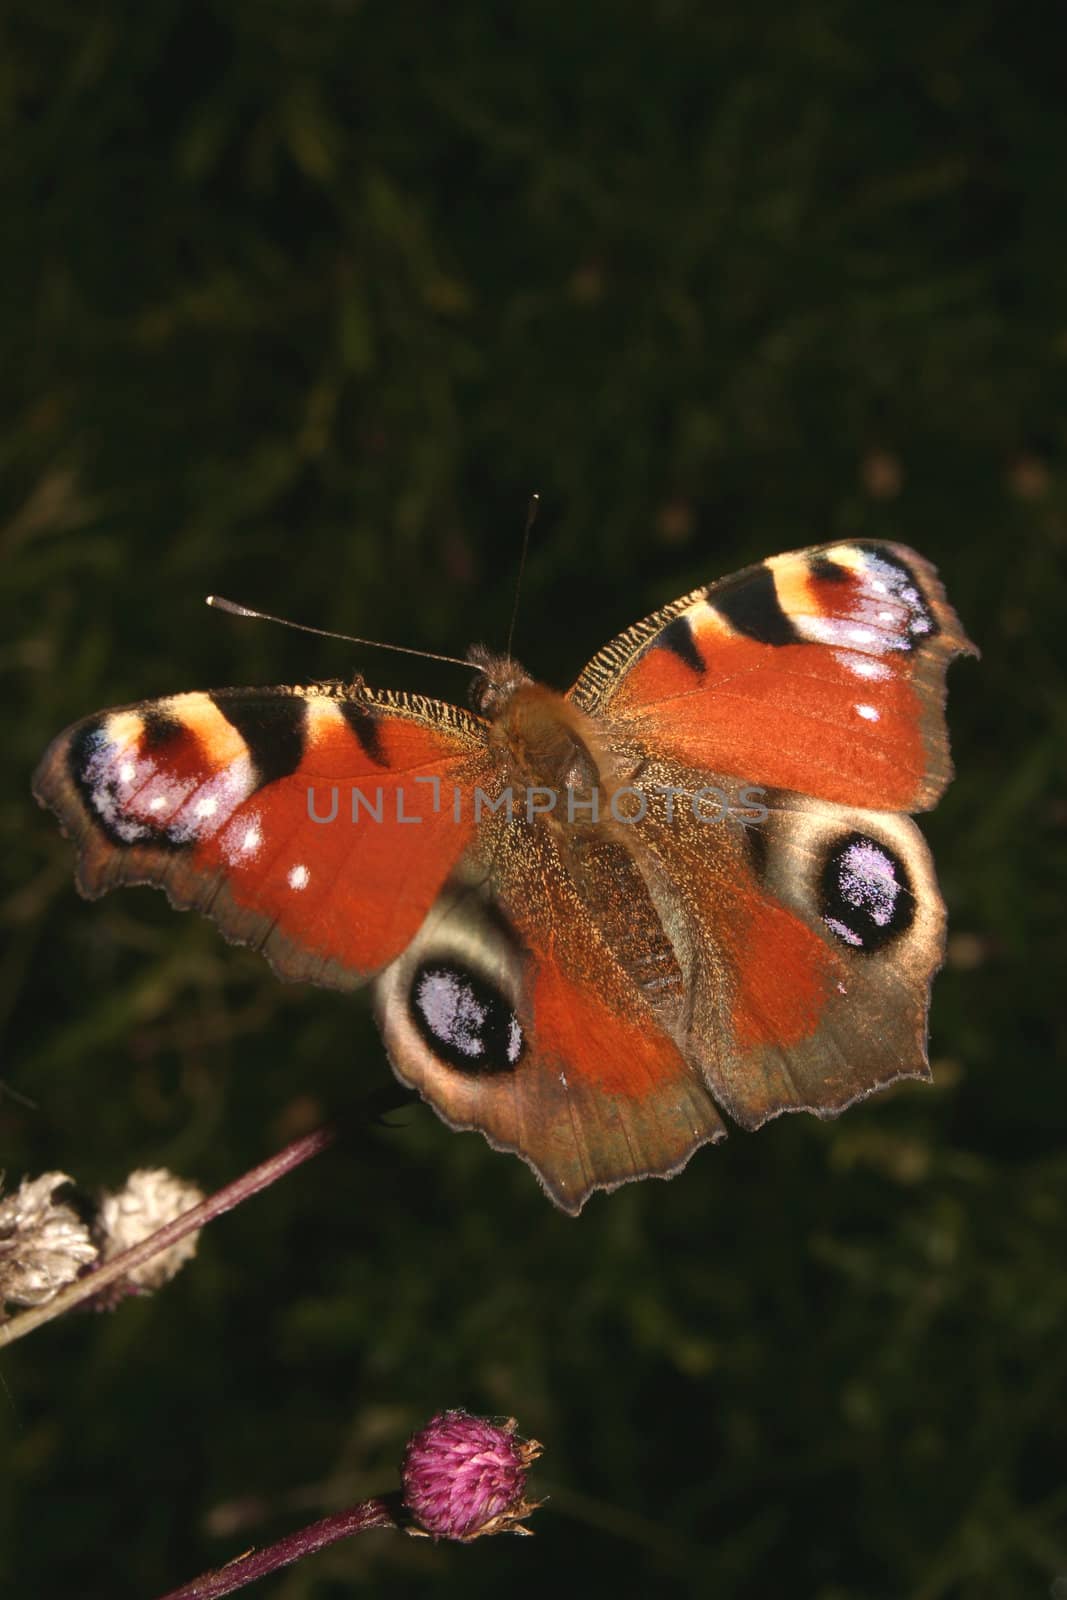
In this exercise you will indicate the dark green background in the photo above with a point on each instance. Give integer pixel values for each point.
(300, 302)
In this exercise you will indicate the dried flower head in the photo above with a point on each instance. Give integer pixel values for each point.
(43, 1244)
(464, 1477)
(150, 1199)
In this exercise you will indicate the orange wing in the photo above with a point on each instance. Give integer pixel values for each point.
(821, 671)
(315, 826)
(519, 1009)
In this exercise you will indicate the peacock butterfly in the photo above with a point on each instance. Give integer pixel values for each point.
(591, 920)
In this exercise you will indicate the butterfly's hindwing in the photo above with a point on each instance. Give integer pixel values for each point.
(515, 1011)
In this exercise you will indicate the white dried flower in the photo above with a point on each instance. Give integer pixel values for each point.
(151, 1198)
(43, 1244)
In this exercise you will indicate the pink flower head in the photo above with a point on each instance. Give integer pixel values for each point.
(464, 1477)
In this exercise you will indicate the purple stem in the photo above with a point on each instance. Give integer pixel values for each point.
(215, 1205)
(259, 1563)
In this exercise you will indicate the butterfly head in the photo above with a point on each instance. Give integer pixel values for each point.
(495, 681)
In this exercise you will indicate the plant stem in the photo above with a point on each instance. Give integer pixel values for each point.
(259, 1563)
(225, 1199)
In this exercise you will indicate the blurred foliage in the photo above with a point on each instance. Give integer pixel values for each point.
(301, 302)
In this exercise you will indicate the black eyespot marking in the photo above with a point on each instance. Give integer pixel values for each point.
(85, 741)
(271, 726)
(827, 571)
(158, 728)
(901, 584)
(865, 893)
(83, 762)
(464, 1020)
(677, 636)
(752, 608)
(103, 780)
(363, 720)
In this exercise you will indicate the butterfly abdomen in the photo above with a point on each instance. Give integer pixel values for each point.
(613, 888)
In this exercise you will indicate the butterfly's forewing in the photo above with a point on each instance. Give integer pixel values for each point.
(279, 813)
(821, 671)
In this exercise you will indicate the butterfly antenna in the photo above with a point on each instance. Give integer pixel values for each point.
(531, 518)
(235, 610)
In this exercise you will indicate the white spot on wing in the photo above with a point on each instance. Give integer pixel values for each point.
(868, 713)
(106, 775)
(214, 804)
(242, 839)
(868, 880)
(845, 633)
(862, 666)
(452, 1012)
(299, 876)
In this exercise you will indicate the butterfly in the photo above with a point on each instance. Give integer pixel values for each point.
(592, 921)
